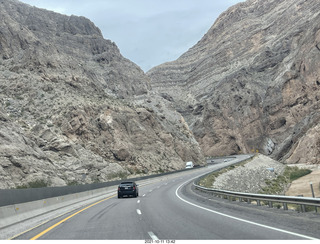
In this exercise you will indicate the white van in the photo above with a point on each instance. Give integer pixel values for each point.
(189, 165)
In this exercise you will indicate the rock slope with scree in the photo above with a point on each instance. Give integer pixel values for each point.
(73, 110)
(252, 83)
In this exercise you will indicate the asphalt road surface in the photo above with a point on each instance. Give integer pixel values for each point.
(170, 209)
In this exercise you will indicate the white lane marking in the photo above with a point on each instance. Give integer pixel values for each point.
(153, 236)
(239, 219)
(144, 195)
(139, 212)
(138, 201)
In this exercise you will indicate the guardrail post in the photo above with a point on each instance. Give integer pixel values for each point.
(313, 195)
(269, 200)
(312, 190)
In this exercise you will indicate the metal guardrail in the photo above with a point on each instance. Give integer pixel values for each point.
(270, 199)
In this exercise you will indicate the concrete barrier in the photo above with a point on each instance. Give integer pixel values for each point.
(18, 212)
(15, 213)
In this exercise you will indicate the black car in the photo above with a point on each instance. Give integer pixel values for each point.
(128, 188)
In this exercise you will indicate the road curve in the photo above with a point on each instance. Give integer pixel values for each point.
(170, 209)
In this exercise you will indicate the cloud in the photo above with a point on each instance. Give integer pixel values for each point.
(148, 32)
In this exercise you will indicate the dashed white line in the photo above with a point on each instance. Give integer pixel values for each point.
(153, 236)
(139, 212)
(138, 201)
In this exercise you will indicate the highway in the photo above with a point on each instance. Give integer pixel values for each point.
(170, 209)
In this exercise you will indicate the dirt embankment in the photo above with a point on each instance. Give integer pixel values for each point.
(302, 186)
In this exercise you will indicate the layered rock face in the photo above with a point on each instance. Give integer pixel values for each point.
(74, 110)
(252, 83)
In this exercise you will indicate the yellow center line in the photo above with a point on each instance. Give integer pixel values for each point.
(69, 217)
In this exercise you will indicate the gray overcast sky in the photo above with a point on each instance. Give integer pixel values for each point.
(148, 32)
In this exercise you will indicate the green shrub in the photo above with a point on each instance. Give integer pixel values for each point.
(73, 183)
(121, 175)
(297, 173)
(38, 184)
(34, 184)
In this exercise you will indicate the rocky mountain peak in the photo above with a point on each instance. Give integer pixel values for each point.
(251, 83)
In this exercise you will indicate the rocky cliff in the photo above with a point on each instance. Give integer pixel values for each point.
(74, 110)
(252, 83)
